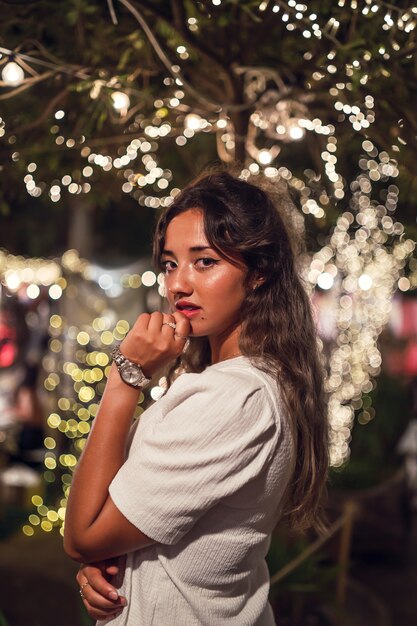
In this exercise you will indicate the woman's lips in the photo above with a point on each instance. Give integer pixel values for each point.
(190, 313)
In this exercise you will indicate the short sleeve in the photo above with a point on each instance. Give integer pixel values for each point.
(215, 433)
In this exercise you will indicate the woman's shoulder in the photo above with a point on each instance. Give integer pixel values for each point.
(233, 382)
(243, 367)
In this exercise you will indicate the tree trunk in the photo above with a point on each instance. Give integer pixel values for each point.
(80, 231)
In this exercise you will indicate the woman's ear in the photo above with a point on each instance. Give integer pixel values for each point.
(257, 281)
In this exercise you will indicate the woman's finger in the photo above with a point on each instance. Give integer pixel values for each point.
(97, 614)
(94, 577)
(112, 570)
(183, 326)
(141, 324)
(116, 567)
(168, 325)
(98, 583)
(155, 323)
(99, 601)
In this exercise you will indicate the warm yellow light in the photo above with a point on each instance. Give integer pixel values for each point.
(33, 291)
(296, 132)
(121, 101)
(12, 74)
(193, 121)
(264, 157)
(148, 278)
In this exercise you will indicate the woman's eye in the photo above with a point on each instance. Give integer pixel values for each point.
(206, 262)
(167, 266)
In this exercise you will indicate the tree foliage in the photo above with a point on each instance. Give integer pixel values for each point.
(225, 61)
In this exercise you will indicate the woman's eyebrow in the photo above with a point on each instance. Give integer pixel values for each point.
(192, 249)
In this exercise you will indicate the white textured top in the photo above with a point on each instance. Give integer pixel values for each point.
(205, 474)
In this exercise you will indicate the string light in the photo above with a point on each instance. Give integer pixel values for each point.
(194, 121)
(12, 74)
(76, 364)
(121, 101)
(367, 274)
(265, 157)
(280, 120)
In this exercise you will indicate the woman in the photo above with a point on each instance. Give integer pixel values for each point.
(192, 494)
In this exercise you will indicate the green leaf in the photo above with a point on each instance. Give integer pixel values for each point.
(124, 59)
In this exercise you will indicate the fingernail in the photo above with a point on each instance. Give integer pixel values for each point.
(123, 601)
(113, 595)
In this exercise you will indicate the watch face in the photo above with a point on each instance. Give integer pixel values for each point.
(131, 374)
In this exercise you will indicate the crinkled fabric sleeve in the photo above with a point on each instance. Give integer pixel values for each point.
(217, 432)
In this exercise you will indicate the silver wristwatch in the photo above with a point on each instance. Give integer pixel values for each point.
(131, 373)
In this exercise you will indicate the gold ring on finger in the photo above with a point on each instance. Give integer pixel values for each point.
(171, 324)
(82, 589)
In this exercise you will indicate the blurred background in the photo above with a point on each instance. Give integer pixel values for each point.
(106, 110)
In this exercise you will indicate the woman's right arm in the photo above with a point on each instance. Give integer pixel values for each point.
(95, 529)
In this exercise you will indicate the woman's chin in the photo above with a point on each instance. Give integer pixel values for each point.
(195, 332)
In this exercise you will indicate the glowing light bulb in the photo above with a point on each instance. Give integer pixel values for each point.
(148, 278)
(12, 280)
(121, 101)
(264, 157)
(193, 121)
(365, 282)
(12, 74)
(296, 132)
(33, 291)
(325, 280)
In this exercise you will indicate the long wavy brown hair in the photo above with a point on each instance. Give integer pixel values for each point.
(278, 333)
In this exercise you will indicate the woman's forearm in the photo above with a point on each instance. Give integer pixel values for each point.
(102, 457)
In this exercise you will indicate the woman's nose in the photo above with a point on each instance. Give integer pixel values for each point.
(179, 282)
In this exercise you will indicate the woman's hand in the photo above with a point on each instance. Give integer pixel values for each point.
(101, 599)
(153, 343)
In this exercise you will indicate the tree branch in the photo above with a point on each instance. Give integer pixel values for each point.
(29, 82)
(184, 32)
(47, 110)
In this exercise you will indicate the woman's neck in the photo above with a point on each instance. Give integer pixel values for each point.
(225, 349)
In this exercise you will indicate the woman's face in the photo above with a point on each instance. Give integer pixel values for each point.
(206, 288)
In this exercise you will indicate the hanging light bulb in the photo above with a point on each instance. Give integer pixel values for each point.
(193, 121)
(121, 101)
(296, 132)
(12, 74)
(264, 157)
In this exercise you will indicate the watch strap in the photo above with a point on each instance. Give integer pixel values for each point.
(121, 361)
